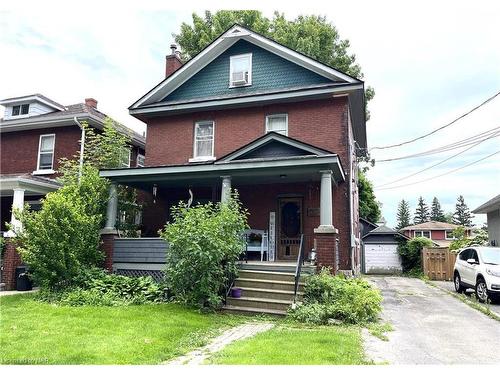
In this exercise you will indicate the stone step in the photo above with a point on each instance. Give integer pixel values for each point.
(267, 284)
(267, 275)
(252, 311)
(285, 295)
(259, 303)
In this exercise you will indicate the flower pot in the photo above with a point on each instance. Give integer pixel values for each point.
(236, 292)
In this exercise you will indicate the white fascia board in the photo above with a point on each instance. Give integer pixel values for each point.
(245, 100)
(46, 122)
(30, 186)
(29, 99)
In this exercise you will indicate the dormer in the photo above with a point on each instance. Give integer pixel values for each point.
(29, 106)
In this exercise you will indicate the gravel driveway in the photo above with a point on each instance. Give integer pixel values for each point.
(431, 327)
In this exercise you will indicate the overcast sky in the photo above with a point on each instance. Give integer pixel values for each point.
(429, 63)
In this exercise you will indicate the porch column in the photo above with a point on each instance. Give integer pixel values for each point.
(111, 209)
(226, 189)
(326, 205)
(17, 203)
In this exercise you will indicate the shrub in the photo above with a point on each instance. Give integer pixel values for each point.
(328, 297)
(205, 243)
(461, 241)
(411, 253)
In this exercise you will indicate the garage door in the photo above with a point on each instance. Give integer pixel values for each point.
(382, 259)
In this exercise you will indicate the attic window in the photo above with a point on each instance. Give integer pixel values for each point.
(240, 70)
(20, 109)
(277, 123)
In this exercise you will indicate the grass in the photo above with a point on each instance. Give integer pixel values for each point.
(379, 330)
(296, 345)
(34, 332)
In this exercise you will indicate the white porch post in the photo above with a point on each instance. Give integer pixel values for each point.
(17, 203)
(326, 204)
(111, 209)
(226, 189)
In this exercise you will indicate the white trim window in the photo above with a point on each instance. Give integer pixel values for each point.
(449, 235)
(277, 123)
(140, 160)
(20, 110)
(240, 70)
(203, 141)
(125, 157)
(46, 148)
(423, 233)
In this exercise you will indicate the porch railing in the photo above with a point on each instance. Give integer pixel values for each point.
(298, 267)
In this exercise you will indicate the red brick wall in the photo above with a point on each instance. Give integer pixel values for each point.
(322, 123)
(11, 260)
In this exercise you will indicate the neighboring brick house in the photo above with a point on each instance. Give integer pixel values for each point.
(283, 129)
(440, 233)
(35, 133)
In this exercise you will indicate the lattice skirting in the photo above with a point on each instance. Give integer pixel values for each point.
(155, 274)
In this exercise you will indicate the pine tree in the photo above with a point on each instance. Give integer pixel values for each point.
(462, 215)
(422, 212)
(403, 214)
(437, 214)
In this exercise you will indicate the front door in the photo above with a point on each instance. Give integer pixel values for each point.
(289, 228)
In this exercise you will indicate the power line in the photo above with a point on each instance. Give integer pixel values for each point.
(440, 128)
(441, 175)
(433, 165)
(492, 133)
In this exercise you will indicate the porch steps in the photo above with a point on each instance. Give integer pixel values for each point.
(264, 292)
(276, 267)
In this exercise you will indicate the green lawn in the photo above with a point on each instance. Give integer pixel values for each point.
(296, 345)
(37, 332)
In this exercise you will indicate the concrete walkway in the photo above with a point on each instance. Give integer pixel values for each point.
(12, 292)
(431, 327)
(198, 356)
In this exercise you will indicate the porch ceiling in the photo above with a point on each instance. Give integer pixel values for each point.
(245, 172)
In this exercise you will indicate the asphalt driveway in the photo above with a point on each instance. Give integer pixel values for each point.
(431, 327)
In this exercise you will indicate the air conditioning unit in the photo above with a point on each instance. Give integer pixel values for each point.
(239, 78)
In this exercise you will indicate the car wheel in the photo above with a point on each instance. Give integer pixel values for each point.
(481, 290)
(458, 283)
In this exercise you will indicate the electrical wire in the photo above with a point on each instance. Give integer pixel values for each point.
(438, 129)
(441, 175)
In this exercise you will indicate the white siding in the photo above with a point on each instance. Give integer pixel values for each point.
(382, 259)
(36, 108)
(494, 227)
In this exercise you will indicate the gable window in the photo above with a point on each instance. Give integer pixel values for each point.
(46, 152)
(423, 233)
(204, 140)
(125, 158)
(140, 160)
(20, 109)
(277, 123)
(240, 70)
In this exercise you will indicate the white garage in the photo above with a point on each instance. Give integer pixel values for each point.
(380, 251)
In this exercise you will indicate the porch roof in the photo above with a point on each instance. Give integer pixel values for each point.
(243, 172)
(32, 185)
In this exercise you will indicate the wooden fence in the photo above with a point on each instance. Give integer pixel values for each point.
(438, 263)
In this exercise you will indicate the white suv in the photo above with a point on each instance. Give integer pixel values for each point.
(478, 267)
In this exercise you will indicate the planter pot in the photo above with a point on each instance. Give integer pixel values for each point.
(236, 292)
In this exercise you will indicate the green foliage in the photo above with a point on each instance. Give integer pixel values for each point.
(369, 208)
(328, 297)
(403, 214)
(63, 237)
(462, 215)
(461, 239)
(311, 35)
(437, 214)
(421, 212)
(410, 252)
(205, 243)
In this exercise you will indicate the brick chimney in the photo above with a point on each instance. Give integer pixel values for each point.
(91, 102)
(173, 61)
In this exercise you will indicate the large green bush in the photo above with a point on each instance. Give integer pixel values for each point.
(411, 253)
(326, 297)
(205, 243)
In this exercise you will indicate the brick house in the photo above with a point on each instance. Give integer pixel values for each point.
(282, 129)
(440, 233)
(35, 133)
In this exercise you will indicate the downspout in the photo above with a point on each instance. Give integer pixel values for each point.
(82, 146)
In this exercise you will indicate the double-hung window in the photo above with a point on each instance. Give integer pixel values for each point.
(240, 70)
(277, 123)
(125, 157)
(46, 152)
(140, 160)
(203, 140)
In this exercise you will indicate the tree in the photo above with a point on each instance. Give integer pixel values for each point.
(462, 215)
(437, 214)
(461, 240)
(369, 209)
(422, 212)
(403, 214)
(411, 253)
(311, 35)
